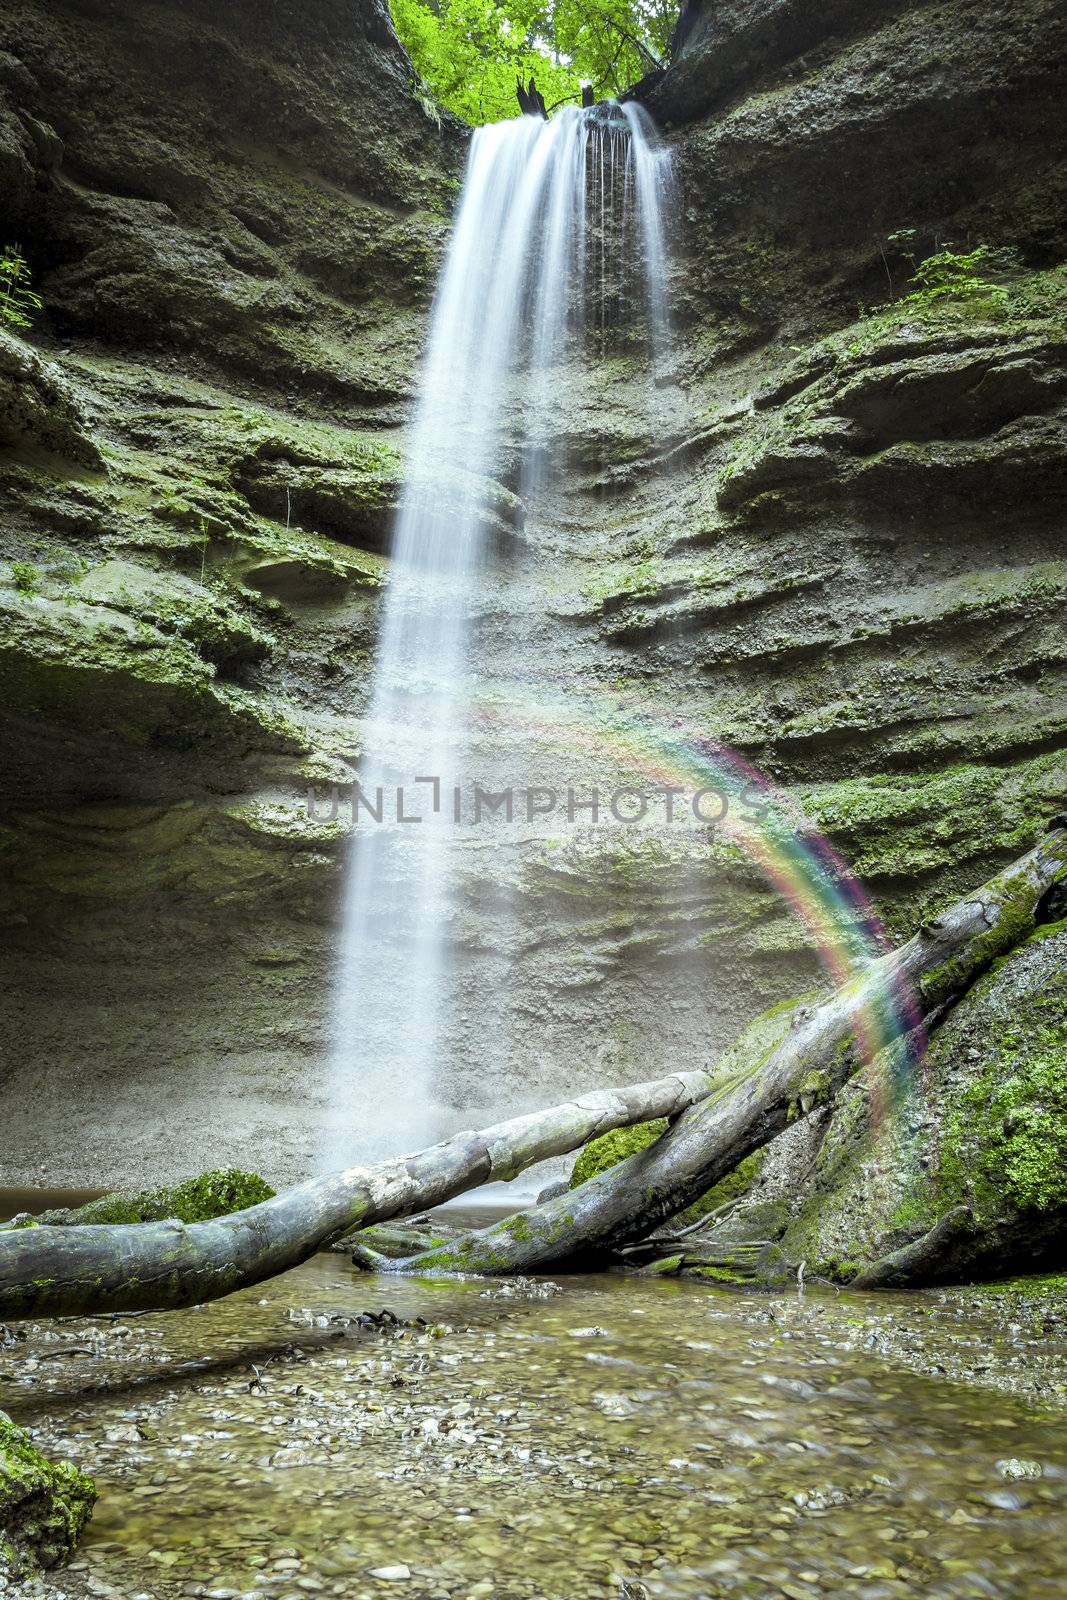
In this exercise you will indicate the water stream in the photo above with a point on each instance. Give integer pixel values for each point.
(595, 1438)
(558, 237)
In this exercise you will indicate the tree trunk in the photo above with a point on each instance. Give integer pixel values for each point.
(155, 1266)
(807, 1068)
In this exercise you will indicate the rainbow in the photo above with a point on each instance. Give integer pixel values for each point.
(763, 822)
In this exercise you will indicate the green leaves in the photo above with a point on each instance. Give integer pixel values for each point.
(471, 51)
(17, 299)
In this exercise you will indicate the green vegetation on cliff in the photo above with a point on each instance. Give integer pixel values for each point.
(18, 301)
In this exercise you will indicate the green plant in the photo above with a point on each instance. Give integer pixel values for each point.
(26, 576)
(17, 299)
(952, 276)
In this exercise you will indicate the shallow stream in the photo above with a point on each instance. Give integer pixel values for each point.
(606, 1436)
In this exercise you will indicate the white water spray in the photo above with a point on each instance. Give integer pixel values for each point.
(557, 223)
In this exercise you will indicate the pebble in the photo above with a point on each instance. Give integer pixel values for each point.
(399, 1574)
(1019, 1467)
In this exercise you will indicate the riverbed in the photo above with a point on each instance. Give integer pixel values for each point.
(341, 1434)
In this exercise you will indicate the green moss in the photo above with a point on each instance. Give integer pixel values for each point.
(599, 1155)
(900, 825)
(1012, 927)
(719, 1275)
(44, 1506)
(814, 1087)
(960, 301)
(665, 1267)
(839, 1269)
(1049, 1283)
(212, 1194)
(611, 1148)
(1005, 1138)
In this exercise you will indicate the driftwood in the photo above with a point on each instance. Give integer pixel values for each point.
(81, 1270)
(807, 1068)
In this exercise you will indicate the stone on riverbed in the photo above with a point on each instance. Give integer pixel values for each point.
(1019, 1467)
(44, 1506)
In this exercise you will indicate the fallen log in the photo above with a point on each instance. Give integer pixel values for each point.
(155, 1266)
(921, 1260)
(808, 1067)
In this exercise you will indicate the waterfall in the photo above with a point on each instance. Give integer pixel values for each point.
(558, 239)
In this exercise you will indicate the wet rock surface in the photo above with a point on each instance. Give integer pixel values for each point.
(593, 1438)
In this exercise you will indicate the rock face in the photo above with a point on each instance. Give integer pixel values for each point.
(843, 560)
(235, 218)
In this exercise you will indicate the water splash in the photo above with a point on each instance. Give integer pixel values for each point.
(558, 240)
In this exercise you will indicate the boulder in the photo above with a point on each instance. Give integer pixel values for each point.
(44, 1506)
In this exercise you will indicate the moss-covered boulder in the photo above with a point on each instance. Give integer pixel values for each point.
(212, 1194)
(43, 1505)
(979, 1124)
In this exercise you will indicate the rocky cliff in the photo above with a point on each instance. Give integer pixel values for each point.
(844, 562)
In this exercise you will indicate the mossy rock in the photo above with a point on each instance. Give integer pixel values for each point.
(44, 1506)
(213, 1194)
(981, 1124)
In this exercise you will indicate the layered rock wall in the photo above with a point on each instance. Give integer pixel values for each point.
(842, 558)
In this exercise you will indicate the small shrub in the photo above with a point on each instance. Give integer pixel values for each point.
(951, 276)
(27, 577)
(18, 301)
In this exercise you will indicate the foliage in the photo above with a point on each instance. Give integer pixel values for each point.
(471, 51)
(17, 300)
(26, 577)
(950, 276)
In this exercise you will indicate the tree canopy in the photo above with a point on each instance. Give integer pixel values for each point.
(471, 51)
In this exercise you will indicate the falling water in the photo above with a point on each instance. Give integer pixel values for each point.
(559, 235)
